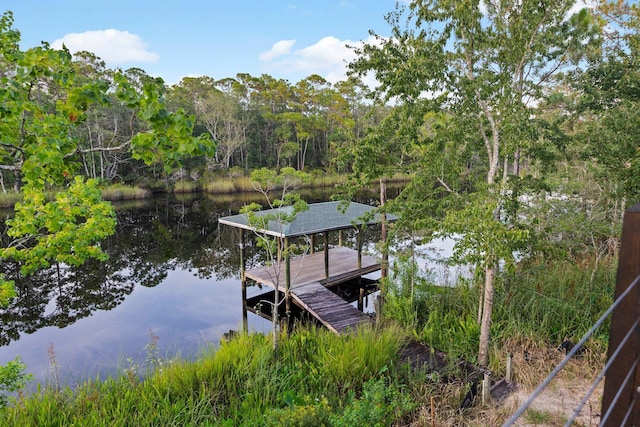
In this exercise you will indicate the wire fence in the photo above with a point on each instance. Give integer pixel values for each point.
(620, 403)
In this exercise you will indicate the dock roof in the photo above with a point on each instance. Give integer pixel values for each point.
(320, 217)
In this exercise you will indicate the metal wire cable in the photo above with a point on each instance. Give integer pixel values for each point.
(614, 401)
(569, 355)
(602, 374)
(629, 411)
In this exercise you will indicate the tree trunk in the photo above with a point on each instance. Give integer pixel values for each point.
(485, 325)
(276, 300)
(385, 252)
(480, 305)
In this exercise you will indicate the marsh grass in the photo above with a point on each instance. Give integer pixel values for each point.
(9, 199)
(537, 306)
(182, 186)
(225, 185)
(241, 383)
(242, 183)
(116, 192)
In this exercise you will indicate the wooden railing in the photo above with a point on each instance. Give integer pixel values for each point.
(621, 396)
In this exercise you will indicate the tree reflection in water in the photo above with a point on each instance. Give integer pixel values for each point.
(153, 239)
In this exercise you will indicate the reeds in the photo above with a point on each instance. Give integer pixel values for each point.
(316, 375)
(9, 199)
(183, 186)
(225, 185)
(116, 192)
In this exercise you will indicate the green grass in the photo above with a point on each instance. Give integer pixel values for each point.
(316, 376)
(239, 184)
(319, 378)
(539, 305)
(223, 185)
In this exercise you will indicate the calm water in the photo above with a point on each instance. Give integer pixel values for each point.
(173, 274)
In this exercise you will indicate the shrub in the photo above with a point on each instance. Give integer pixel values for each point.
(380, 405)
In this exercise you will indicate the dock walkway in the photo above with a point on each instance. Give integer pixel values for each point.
(335, 313)
(309, 284)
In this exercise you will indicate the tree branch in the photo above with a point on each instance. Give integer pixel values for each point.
(10, 167)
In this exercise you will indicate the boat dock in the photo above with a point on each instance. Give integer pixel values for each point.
(307, 281)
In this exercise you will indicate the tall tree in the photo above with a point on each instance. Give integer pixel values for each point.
(606, 113)
(479, 67)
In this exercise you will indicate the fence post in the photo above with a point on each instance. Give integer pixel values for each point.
(622, 319)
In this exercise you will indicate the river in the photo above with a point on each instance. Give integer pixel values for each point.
(170, 288)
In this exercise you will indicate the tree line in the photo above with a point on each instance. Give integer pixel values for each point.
(252, 121)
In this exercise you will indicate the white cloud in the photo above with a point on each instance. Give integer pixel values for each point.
(283, 47)
(581, 4)
(112, 46)
(327, 57)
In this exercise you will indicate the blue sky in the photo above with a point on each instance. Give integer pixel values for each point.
(289, 39)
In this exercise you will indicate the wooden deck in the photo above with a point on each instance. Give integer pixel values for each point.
(343, 266)
(335, 313)
(309, 285)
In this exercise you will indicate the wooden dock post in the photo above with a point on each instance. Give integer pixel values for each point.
(287, 275)
(359, 248)
(620, 397)
(326, 255)
(243, 280)
(486, 389)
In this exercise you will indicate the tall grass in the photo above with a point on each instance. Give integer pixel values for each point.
(539, 305)
(9, 199)
(116, 192)
(315, 375)
(239, 184)
(185, 187)
(223, 185)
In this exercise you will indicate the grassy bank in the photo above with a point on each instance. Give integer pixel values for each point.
(322, 379)
(240, 184)
(117, 192)
(538, 306)
(316, 379)
(218, 185)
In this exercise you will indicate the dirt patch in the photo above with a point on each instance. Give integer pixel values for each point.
(556, 404)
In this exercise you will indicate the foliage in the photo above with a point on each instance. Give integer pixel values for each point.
(7, 290)
(12, 379)
(380, 405)
(604, 110)
(300, 412)
(44, 105)
(464, 80)
(239, 383)
(66, 230)
(283, 211)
